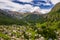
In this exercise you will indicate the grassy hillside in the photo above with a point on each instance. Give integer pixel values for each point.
(7, 20)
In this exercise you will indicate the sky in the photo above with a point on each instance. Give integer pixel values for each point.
(41, 6)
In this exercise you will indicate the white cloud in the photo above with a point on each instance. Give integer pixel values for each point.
(41, 11)
(55, 1)
(25, 0)
(8, 4)
(27, 8)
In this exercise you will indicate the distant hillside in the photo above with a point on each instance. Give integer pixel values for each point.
(6, 19)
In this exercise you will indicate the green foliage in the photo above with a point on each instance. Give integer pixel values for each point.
(6, 37)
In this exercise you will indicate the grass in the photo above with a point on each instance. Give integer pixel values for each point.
(4, 36)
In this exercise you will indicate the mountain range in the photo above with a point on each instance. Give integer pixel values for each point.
(13, 17)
